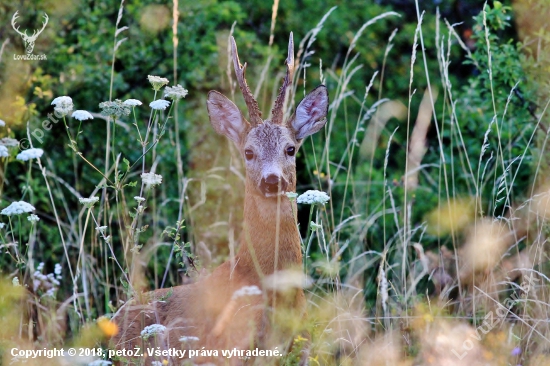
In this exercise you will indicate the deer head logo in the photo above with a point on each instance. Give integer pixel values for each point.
(28, 40)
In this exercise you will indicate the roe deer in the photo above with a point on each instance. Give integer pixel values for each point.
(232, 307)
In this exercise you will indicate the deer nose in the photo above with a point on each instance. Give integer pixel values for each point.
(272, 183)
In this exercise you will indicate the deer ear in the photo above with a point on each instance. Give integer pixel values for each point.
(310, 115)
(225, 117)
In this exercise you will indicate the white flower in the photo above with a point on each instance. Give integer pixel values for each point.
(2, 123)
(141, 199)
(151, 179)
(189, 339)
(4, 153)
(313, 197)
(18, 208)
(9, 142)
(15, 282)
(29, 154)
(33, 218)
(51, 292)
(100, 363)
(57, 270)
(247, 291)
(82, 115)
(2, 225)
(89, 202)
(63, 105)
(62, 100)
(157, 82)
(159, 104)
(132, 102)
(40, 267)
(101, 229)
(175, 92)
(151, 330)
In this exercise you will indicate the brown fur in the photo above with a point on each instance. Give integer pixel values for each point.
(270, 242)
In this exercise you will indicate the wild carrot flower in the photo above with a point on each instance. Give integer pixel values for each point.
(151, 179)
(57, 271)
(33, 218)
(63, 105)
(29, 154)
(312, 197)
(152, 330)
(89, 202)
(132, 102)
(82, 115)
(100, 363)
(114, 109)
(175, 92)
(18, 208)
(140, 199)
(15, 282)
(189, 339)
(4, 152)
(247, 291)
(157, 82)
(159, 104)
(101, 229)
(9, 142)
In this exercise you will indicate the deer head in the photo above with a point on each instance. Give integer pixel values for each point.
(28, 40)
(268, 146)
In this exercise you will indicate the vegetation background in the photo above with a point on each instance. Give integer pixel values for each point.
(434, 156)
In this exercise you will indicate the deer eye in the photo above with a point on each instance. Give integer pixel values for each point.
(290, 151)
(249, 155)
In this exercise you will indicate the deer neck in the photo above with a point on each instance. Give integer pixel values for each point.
(270, 239)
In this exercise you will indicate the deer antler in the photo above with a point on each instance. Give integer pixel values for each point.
(35, 34)
(277, 112)
(13, 24)
(253, 110)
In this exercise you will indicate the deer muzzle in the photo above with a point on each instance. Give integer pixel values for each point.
(272, 185)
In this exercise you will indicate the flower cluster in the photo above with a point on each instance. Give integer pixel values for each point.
(89, 202)
(100, 363)
(115, 109)
(82, 115)
(151, 179)
(48, 283)
(157, 82)
(17, 208)
(29, 154)
(9, 142)
(175, 92)
(63, 105)
(33, 218)
(4, 153)
(159, 104)
(132, 102)
(141, 199)
(247, 291)
(189, 339)
(152, 330)
(313, 197)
